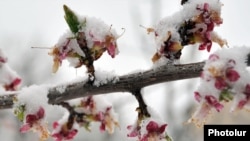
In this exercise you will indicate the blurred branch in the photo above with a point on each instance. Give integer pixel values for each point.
(183, 1)
(125, 83)
(6, 101)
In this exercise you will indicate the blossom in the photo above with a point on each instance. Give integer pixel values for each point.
(9, 79)
(149, 130)
(83, 112)
(201, 114)
(85, 42)
(108, 122)
(197, 27)
(35, 122)
(62, 132)
(222, 81)
(13, 85)
(94, 113)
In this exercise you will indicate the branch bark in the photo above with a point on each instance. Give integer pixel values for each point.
(125, 83)
(128, 83)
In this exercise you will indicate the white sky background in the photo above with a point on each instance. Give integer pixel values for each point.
(26, 23)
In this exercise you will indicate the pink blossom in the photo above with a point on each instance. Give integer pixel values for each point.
(197, 96)
(63, 133)
(200, 116)
(154, 127)
(149, 132)
(13, 85)
(3, 60)
(241, 103)
(213, 57)
(112, 50)
(220, 83)
(247, 90)
(134, 131)
(211, 100)
(34, 122)
(232, 75)
(32, 119)
(107, 120)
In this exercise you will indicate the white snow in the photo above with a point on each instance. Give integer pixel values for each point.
(234, 58)
(103, 77)
(96, 29)
(34, 97)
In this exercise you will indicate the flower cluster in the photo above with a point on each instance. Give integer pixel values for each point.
(63, 130)
(30, 109)
(8, 78)
(193, 24)
(149, 129)
(32, 121)
(82, 112)
(224, 78)
(86, 41)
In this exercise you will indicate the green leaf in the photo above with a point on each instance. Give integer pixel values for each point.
(19, 112)
(71, 19)
(168, 138)
(226, 96)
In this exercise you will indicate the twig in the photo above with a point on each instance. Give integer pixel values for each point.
(142, 109)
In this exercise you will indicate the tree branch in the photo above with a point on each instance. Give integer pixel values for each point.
(7, 101)
(125, 83)
(128, 83)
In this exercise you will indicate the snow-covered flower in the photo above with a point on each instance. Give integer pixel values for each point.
(9, 79)
(82, 113)
(193, 24)
(34, 121)
(63, 130)
(30, 109)
(96, 109)
(149, 128)
(85, 42)
(224, 78)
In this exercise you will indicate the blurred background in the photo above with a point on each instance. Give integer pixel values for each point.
(28, 23)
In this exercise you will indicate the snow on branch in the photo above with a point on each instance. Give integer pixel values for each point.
(125, 83)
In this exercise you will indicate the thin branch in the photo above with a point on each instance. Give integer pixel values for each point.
(125, 83)
(142, 109)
